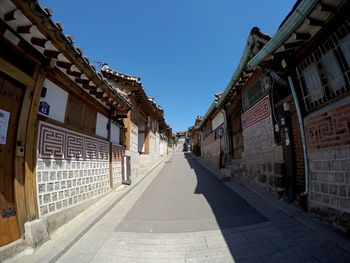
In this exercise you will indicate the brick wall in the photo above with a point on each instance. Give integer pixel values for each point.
(298, 147)
(328, 139)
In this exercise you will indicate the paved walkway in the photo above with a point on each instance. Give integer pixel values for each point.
(182, 213)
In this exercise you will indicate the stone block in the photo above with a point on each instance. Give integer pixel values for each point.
(269, 167)
(278, 180)
(345, 203)
(326, 199)
(313, 176)
(336, 165)
(279, 168)
(347, 178)
(262, 178)
(327, 166)
(270, 180)
(343, 190)
(330, 178)
(36, 232)
(318, 165)
(333, 189)
(339, 178)
(321, 177)
(324, 188)
(335, 201)
(319, 155)
(345, 165)
(342, 153)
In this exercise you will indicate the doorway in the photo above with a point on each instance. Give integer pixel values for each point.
(11, 98)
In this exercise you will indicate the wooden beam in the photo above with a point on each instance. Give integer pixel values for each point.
(30, 29)
(16, 73)
(40, 42)
(301, 36)
(314, 22)
(292, 45)
(13, 15)
(52, 54)
(326, 8)
(31, 150)
(63, 64)
(73, 73)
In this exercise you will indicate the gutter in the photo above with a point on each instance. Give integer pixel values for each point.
(292, 23)
(302, 133)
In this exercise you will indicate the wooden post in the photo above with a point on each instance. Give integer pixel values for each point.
(127, 123)
(110, 151)
(30, 155)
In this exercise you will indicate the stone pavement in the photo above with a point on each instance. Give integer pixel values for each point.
(123, 235)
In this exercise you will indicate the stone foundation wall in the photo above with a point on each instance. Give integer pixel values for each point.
(268, 175)
(211, 149)
(118, 152)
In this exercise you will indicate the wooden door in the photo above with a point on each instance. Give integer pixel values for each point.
(11, 97)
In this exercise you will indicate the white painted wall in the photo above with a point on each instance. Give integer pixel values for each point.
(101, 125)
(57, 99)
(141, 142)
(115, 134)
(218, 120)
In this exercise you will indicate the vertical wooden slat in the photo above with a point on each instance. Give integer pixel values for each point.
(110, 152)
(31, 149)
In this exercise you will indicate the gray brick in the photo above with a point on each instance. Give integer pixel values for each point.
(319, 155)
(347, 178)
(313, 176)
(342, 153)
(318, 165)
(339, 178)
(336, 165)
(330, 178)
(326, 155)
(333, 189)
(345, 203)
(326, 199)
(345, 165)
(321, 177)
(343, 190)
(324, 188)
(327, 166)
(335, 200)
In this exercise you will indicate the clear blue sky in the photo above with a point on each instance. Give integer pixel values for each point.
(185, 51)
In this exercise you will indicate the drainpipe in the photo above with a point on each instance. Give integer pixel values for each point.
(302, 131)
(225, 130)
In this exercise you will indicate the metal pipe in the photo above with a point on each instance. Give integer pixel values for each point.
(302, 131)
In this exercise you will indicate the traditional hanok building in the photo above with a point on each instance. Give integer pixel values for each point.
(59, 129)
(146, 131)
(256, 151)
(312, 48)
(212, 125)
(196, 136)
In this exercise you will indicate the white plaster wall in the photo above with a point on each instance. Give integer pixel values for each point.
(101, 125)
(57, 99)
(218, 120)
(115, 134)
(141, 142)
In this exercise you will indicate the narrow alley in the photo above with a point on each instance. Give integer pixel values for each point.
(183, 213)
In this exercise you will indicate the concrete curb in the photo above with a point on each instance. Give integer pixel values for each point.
(58, 250)
(292, 211)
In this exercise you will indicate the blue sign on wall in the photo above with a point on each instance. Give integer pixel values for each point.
(44, 108)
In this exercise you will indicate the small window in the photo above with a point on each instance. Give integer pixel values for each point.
(332, 72)
(345, 48)
(313, 83)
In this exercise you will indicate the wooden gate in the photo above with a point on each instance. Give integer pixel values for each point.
(11, 97)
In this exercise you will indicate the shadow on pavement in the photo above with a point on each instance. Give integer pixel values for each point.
(230, 209)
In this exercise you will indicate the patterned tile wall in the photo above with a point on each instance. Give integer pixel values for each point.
(71, 168)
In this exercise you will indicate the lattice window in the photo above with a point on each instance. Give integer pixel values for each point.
(257, 91)
(325, 74)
